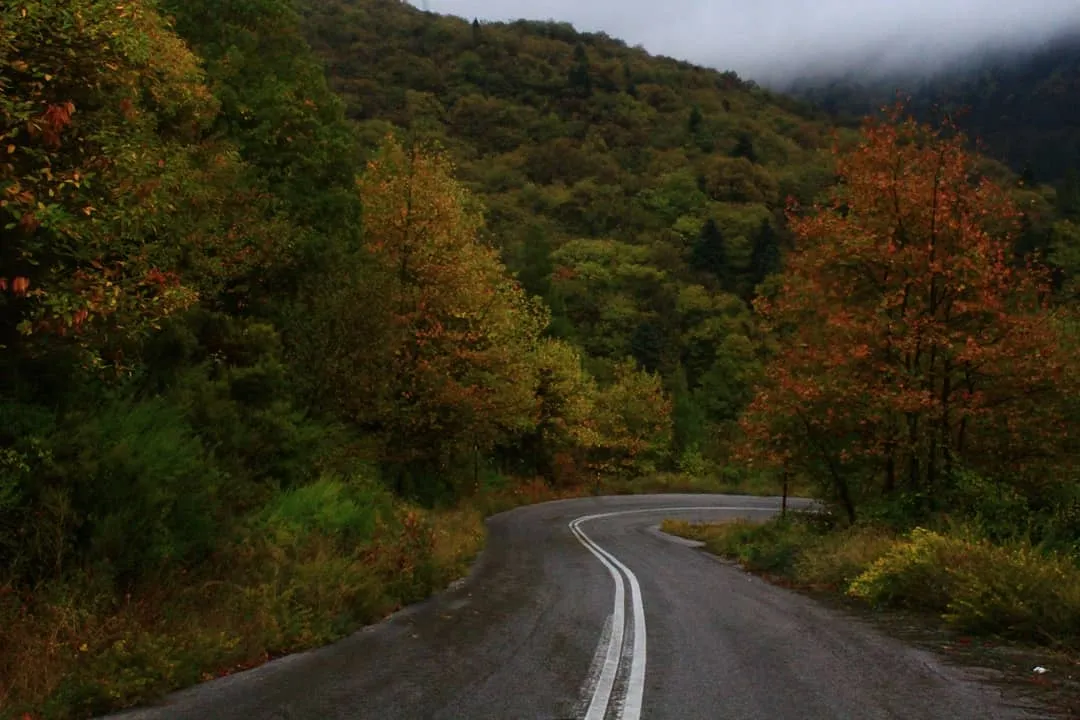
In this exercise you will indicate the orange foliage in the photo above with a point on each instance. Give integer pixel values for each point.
(909, 340)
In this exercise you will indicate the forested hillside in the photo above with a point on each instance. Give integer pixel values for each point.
(640, 197)
(291, 295)
(1019, 103)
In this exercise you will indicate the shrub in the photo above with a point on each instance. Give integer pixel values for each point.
(1014, 590)
(349, 512)
(913, 573)
(139, 484)
(772, 546)
(835, 559)
(1017, 591)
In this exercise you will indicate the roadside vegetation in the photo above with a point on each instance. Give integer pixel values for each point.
(1011, 590)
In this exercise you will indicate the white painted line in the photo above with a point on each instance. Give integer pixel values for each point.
(606, 681)
(635, 685)
(593, 676)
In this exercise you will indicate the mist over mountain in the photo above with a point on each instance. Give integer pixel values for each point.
(775, 41)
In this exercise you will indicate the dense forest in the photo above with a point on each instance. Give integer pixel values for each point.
(293, 293)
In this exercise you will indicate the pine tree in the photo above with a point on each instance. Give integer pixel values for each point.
(709, 253)
(580, 78)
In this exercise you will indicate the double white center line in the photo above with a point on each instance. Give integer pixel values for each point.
(600, 698)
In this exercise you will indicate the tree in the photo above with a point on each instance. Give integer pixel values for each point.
(1068, 196)
(117, 210)
(632, 423)
(580, 77)
(710, 253)
(450, 370)
(628, 74)
(604, 287)
(693, 124)
(566, 394)
(908, 344)
(688, 418)
(744, 148)
(276, 106)
(765, 256)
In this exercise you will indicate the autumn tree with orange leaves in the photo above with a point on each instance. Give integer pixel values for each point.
(908, 344)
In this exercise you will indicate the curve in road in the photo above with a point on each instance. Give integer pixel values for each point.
(600, 697)
(519, 639)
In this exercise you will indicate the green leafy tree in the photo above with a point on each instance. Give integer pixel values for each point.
(765, 256)
(632, 423)
(275, 104)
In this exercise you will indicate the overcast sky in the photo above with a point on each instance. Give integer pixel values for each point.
(768, 39)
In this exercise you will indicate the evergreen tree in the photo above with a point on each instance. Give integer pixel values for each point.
(765, 256)
(745, 148)
(694, 123)
(631, 86)
(688, 417)
(580, 78)
(710, 255)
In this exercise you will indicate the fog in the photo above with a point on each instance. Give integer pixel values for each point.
(772, 41)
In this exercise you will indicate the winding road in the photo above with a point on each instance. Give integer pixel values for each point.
(582, 609)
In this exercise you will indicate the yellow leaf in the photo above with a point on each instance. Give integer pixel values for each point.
(10, 149)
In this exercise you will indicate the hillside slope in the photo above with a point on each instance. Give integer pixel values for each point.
(640, 196)
(1020, 103)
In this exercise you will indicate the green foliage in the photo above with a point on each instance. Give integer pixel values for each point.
(914, 574)
(276, 106)
(141, 472)
(833, 560)
(90, 139)
(564, 430)
(688, 419)
(1014, 590)
(632, 422)
(349, 512)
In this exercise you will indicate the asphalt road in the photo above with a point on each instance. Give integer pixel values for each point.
(599, 619)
